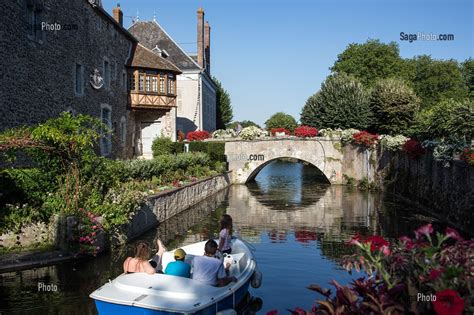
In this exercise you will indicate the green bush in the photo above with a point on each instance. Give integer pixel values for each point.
(341, 103)
(394, 105)
(161, 146)
(215, 150)
(178, 147)
(281, 120)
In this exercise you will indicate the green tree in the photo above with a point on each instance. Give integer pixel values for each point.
(281, 120)
(342, 102)
(394, 105)
(447, 118)
(467, 70)
(224, 112)
(370, 61)
(435, 80)
(243, 123)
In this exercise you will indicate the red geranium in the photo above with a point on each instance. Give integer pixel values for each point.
(425, 230)
(377, 242)
(467, 156)
(273, 131)
(448, 302)
(435, 273)
(452, 233)
(413, 149)
(365, 138)
(198, 135)
(306, 131)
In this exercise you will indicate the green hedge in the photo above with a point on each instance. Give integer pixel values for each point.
(216, 150)
(162, 146)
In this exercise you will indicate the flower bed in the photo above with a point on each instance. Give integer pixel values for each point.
(306, 132)
(365, 138)
(275, 131)
(252, 132)
(467, 156)
(413, 149)
(224, 133)
(437, 266)
(198, 135)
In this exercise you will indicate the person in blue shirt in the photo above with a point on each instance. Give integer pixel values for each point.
(179, 267)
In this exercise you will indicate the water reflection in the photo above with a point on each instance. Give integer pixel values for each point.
(296, 224)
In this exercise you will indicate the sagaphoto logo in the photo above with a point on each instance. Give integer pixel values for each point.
(421, 36)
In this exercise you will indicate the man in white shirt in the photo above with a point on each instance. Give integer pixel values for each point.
(210, 270)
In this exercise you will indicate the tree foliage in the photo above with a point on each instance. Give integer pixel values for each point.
(370, 61)
(435, 80)
(394, 105)
(224, 113)
(243, 123)
(281, 120)
(467, 70)
(446, 119)
(342, 102)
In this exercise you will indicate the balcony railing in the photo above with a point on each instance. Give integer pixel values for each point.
(146, 100)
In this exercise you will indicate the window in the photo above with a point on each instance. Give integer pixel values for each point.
(123, 130)
(180, 100)
(170, 84)
(162, 83)
(106, 74)
(141, 82)
(131, 82)
(79, 79)
(154, 84)
(147, 83)
(106, 138)
(34, 22)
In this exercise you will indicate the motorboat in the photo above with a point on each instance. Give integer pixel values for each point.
(141, 293)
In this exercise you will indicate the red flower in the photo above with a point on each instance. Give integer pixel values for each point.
(452, 233)
(448, 302)
(376, 242)
(273, 131)
(365, 138)
(424, 230)
(298, 311)
(413, 149)
(306, 131)
(435, 273)
(197, 135)
(272, 312)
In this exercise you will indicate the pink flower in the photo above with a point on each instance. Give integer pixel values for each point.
(94, 227)
(93, 233)
(81, 239)
(452, 233)
(425, 230)
(385, 250)
(355, 240)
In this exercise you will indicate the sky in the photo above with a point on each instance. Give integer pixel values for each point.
(271, 55)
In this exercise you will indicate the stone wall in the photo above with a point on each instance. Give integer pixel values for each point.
(37, 74)
(166, 205)
(445, 192)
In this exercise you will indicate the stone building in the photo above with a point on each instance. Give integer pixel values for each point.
(152, 101)
(196, 100)
(65, 55)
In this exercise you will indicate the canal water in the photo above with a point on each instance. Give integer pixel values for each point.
(296, 224)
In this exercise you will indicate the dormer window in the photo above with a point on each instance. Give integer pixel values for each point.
(164, 54)
(35, 31)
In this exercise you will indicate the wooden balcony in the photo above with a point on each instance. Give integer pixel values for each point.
(147, 100)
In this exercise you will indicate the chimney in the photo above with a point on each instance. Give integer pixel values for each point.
(118, 15)
(200, 37)
(207, 46)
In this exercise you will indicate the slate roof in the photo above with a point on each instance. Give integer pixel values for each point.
(145, 58)
(150, 34)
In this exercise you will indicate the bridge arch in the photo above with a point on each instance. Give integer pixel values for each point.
(247, 158)
(258, 168)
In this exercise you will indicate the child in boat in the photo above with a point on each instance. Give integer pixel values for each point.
(208, 269)
(140, 263)
(179, 267)
(225, 235)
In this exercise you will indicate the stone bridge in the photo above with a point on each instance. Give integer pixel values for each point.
(247, 158)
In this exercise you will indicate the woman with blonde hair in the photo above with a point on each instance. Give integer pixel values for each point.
(140, 262)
